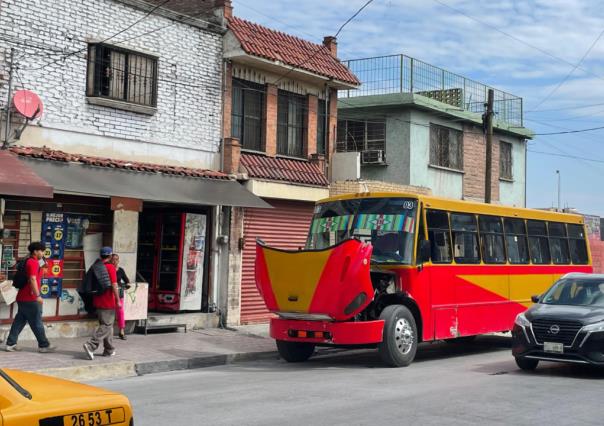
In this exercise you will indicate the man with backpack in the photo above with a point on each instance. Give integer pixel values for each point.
(29, 301)
(101, 281)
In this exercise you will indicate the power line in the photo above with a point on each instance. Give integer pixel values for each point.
(287, 25)
(574, 157)
(519, 40)
(569, 131)
(104, 40)
(573, 69)
(320, 47)
(566, 108)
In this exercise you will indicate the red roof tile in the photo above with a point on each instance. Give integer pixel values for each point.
(277, 46)
(283, 169)
(55, 155)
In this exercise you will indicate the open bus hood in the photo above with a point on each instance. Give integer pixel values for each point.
(307, 284)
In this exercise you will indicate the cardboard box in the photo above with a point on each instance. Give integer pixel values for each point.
(8, 293)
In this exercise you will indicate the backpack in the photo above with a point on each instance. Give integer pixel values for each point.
(96, 281)
(19, 278)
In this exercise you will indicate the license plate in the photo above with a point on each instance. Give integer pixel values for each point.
(109, 416)
(555, 348)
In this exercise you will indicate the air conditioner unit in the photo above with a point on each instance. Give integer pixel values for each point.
(372, 156)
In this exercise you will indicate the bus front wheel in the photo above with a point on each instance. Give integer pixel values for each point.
(399, 344)
(295, 351)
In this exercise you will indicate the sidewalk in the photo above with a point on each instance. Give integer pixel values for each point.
(154, 353)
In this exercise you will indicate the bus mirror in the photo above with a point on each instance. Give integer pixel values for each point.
(425, 251)
(535, 299)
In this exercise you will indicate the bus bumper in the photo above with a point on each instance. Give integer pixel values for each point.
(333, 333)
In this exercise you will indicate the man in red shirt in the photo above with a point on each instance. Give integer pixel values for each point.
(105, 304)
(30, 303)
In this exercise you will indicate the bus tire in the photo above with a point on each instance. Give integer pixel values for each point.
(295, 351)
(461, 340)
(400, 339)
(526, 364)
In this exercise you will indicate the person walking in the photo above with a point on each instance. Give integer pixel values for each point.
(105, 303)
(29, 302)
(123, 284)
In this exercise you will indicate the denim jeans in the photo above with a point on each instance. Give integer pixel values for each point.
(29, 313)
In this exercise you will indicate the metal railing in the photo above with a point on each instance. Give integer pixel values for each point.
(402, 74)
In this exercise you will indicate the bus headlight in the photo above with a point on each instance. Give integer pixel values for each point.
(522, 321)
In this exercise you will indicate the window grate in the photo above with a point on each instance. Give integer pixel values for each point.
(446, 147)
(291, 123)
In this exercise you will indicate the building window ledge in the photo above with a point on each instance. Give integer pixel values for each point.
(446, 169)
(383, 164)
(504, 179)
(112, 103)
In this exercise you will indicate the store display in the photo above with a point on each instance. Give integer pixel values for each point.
(53, 237)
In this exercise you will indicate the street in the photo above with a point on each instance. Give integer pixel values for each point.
(472, 383)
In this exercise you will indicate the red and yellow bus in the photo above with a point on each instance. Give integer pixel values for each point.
(393, 270)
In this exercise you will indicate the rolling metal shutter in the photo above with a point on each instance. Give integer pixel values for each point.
(285, 226)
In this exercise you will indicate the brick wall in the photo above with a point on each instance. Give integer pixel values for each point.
(270, 117)
(474, 154)
(187, 116)
(357, 186)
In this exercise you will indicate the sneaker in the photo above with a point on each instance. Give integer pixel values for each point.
(89, 351)
(47, 349)
(109, 353)
(12, 348)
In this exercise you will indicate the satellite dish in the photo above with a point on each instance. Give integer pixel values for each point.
(28, 104)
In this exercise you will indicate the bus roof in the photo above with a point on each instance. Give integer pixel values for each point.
(441, 203)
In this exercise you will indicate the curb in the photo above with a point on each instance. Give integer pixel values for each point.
(124, 369)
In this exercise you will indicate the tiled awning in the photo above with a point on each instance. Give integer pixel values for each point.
(17, 178)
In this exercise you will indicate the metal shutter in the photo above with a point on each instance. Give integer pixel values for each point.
(285, 226)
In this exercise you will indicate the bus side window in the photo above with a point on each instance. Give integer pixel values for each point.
(465, 238)
(538, 244)
(515, 238)
(491, 238)
(439, 235)
(578, 245)
(558, 243)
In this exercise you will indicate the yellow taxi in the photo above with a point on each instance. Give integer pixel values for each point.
(28, 399)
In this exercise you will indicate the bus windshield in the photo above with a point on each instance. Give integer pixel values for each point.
(387, 223)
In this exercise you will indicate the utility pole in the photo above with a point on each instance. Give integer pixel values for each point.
(487, 120)
(559, 178)
(9, 99)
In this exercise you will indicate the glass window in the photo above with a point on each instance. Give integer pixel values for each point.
(465, 238)
(558, 243)
(491, 236)
(516, 241)
(361, 135)
(586, 291)
(121, 74)
(387, 223)
(446, 147)
(505, 160)
(439, 235)
(291, 123)
(247, 113)
(538, 243)
(577, 244)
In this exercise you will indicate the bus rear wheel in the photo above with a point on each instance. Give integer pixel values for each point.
(399, 344)
(295, 351)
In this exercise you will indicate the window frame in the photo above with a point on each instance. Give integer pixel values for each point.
(244, 86)
(573, 239)
(502, 160)
(288, 130)
(344, 142)
(541, 238)
(436, 157)
(454, 232)
(498, 236)
(563, 243)
(524, 236)
(95, 85)
(447, 233)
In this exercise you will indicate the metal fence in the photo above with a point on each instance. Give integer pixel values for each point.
(403, 74)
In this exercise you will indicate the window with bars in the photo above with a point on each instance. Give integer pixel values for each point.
(361, 135)
(122, 75)
(291, 123)
(247, 113)
(505, 160)
(322, 126)
(446, 147)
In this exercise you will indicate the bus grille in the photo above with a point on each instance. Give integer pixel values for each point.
(566, 335)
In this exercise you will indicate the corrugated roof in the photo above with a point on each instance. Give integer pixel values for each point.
(283, 169)
(274, 45)
(56, 155)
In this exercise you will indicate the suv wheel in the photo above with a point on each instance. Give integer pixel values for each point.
(527, 364)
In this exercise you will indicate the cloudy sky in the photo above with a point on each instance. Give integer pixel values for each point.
(526, 47)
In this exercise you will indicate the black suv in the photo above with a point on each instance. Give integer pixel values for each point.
(566, 324)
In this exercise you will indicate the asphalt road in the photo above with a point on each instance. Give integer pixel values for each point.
(475, 383)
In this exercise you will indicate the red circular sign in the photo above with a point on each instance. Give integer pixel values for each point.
(28, 104)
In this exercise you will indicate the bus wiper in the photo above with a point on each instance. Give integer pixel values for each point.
(15, 385)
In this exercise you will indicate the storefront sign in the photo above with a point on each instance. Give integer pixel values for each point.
(53, 238)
